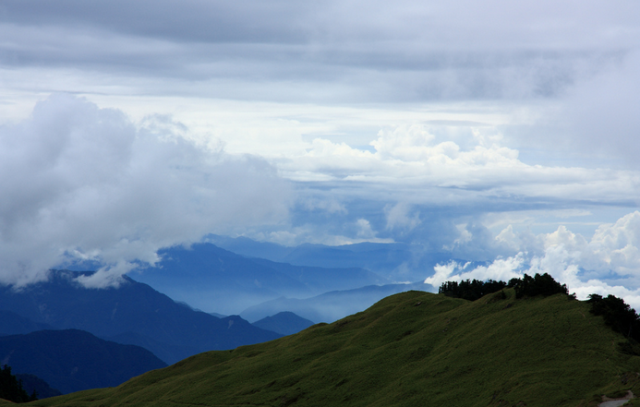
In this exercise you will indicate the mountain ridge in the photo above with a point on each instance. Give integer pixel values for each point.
(332, 305)
(12, 323)
(393, 261)
(284, 323)
(72, 360)
(409, 349)
(175, 331)
(217, 280)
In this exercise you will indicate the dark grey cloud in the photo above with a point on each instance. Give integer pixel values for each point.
(593, 123)
(321, 51)
(184, 21)
(603, 116)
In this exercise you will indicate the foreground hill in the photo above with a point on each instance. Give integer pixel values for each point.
(132, 313)
(410, 349)
(73, 360)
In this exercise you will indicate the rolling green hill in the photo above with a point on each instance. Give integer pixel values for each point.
(410, 349)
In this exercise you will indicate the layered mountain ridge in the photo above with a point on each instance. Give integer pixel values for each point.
(410, 349)
(73, 360)
(132, 313)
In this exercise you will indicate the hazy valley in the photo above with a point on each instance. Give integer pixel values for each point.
(278, 298)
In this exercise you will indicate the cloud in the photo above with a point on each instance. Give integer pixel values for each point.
(613, 247)
(399, 217)
(593, 121)
(499, 269)
(332, 51)
(410, 160)
(601, 111)
(83, 183)
(365, 233)
(328, 205)
(608, 263)
(424, 120)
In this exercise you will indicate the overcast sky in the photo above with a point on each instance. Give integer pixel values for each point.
(496, 131)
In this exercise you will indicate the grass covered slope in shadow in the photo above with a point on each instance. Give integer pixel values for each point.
(409, 349)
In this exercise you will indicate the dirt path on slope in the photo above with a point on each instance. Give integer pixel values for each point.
(609, 402)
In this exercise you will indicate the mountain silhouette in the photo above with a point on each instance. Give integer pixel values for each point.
(284, 323)
(72, 360)
(135, 311)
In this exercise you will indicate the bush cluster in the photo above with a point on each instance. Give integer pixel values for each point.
(527, 286)
(11, 388)
(617, 314)
(470, 290)
(539, 285)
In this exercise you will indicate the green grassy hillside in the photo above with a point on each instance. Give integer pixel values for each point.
(410, 349)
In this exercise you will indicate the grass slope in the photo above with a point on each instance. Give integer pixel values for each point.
(410, 349)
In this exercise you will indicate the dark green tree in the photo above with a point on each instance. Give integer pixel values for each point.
(470, 290)
(539, 285)
(11, 388)
(617, 314)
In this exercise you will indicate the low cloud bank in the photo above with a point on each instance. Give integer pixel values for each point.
(472, 162)
(83, 183)
(608, 263)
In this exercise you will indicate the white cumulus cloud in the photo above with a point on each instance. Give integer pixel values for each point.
(83, 183)
(608, 263)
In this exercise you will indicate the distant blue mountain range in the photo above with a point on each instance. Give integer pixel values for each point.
(12, 324)
(217, 280)
(392, 261)
(133, 313)
(221, 282)
(333, 305)
(284, 323)
(73, 360)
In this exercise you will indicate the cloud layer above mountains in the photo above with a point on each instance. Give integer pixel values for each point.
(498, 133)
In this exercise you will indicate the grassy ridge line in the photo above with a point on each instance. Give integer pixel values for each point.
(409, 349)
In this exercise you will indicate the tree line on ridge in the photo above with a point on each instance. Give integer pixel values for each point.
(616, 313)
